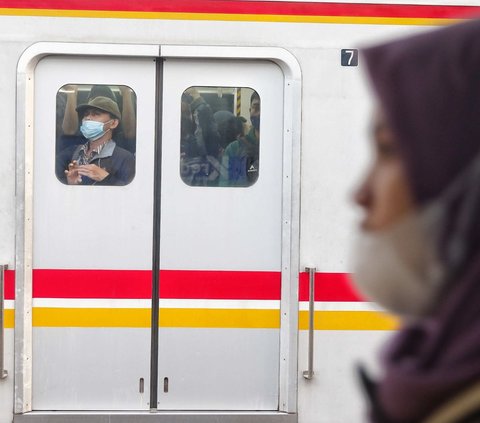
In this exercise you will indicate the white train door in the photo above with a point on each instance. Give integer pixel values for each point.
(155, 212)
(220, 251)
(92, 248)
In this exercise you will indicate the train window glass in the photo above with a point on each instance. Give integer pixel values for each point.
(220, 134)
(95, 134)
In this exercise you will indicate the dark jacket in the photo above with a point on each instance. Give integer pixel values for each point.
(118, 162)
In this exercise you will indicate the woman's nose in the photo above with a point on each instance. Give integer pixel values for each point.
(362, 196)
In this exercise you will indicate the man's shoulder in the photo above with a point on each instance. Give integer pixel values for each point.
(251, 136)
(121, 152)
(232, 148)
(70, 149)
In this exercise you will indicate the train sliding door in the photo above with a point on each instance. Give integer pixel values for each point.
(92, 234)
(177, 195)
(220, 253)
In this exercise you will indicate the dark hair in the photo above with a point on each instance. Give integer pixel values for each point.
(254, 96)
(238, 122)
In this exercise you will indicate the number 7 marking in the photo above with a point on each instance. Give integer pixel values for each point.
(351, 54)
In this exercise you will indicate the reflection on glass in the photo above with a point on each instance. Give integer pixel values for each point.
(220, 132)
(96, 135)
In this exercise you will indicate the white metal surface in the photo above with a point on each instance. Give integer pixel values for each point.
(91, 227)
(222, 228)
(218, 369)
(90, 368)
(333, 395)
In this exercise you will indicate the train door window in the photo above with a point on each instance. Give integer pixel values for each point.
(220, 134)
(95, 134)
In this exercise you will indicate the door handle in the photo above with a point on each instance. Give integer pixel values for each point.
(3, 372)
(308, 374)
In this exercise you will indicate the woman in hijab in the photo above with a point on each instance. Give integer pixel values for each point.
(418, 252)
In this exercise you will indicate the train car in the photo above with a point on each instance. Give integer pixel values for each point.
(190, 262)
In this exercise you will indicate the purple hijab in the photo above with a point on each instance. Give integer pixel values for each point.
(429, 88)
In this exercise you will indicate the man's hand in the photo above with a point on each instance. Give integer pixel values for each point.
(73, 177)
(93, 172)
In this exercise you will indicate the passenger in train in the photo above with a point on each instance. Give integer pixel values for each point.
(255, 114)
(200, 141)
(418, 252)
(240, 158)
(125, 134)
(95, 158)
(226, 130)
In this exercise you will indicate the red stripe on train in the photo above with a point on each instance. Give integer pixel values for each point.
(183, 284)
(220, 285)
(253, 7)
(9, 288)
(178, 284)
(73, 283)
(329, 287)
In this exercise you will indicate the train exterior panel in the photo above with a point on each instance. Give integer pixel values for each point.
(253, 316)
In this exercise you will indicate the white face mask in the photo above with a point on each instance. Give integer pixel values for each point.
(398, 268)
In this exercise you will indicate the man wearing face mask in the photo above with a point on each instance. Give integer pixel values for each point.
(96, 159)
(418, 253)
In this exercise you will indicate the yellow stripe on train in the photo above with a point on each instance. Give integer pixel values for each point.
(202, 318)
(169, 317)
(348, 320)
(223, 17)
(9, 318)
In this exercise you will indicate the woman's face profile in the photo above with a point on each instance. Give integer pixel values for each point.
(384, 194)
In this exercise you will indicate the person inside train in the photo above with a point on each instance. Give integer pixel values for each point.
(95, 159)
(200, 141)
(226, 128)
(240, 158)
(418, 248)
(125, 134)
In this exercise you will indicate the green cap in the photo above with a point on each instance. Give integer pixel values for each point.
(102, 103)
